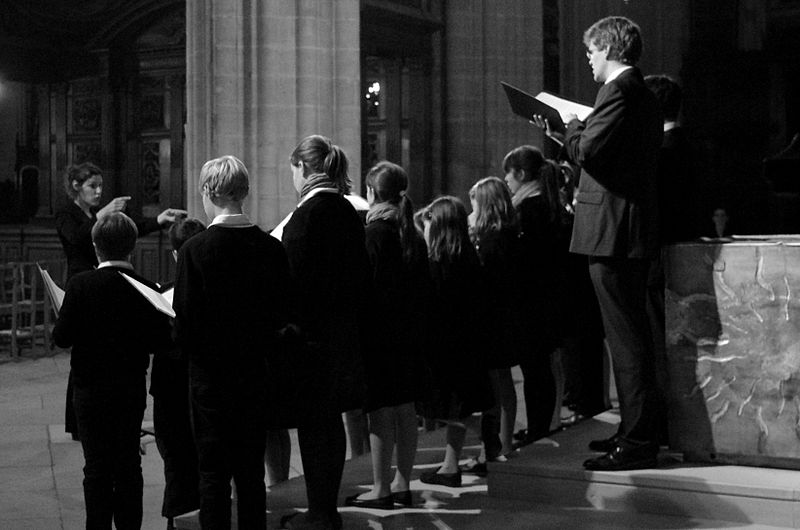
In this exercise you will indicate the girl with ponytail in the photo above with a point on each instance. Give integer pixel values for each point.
(319, 164)
(395, 352)
(324, 241)
(534, 185)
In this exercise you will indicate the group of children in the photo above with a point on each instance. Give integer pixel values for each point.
(412, 314)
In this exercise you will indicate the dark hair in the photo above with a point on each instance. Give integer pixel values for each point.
(495, 210)
(620, 35)
(319, 155)
(182, 230)
(389, 182)
(448, 235)
(535, 166)
(79, 173)
(668, 93)
(114, 236)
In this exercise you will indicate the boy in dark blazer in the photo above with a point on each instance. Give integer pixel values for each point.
(112, 329)
(616, 226)
(169, 386)
(231, 299)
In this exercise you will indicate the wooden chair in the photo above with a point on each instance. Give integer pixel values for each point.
(29, 312)
(9, 305)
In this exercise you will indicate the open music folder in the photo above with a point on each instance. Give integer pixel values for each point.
(162, 302)
(553, 108)
(54, 292)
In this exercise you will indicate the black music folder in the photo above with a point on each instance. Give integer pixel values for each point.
(550, 107)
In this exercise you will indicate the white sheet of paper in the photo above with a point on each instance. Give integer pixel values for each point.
(55, 292)
(152, 296)
(358, 202)
(564, 106)
(168, 295)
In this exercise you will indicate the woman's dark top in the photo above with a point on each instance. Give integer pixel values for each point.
(395, 352)
(75, 232)
(111, 328)
(324, 241)
(500, 255)
(459, 340)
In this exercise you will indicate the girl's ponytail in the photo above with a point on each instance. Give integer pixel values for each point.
(335, 166)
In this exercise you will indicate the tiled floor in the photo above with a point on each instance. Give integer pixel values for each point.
(41, 474)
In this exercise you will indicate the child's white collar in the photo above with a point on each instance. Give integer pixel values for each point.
(115, 263)
(233, 220)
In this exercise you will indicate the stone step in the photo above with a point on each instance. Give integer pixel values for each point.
(551, 472)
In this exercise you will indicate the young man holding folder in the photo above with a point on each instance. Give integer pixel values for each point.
(616, 226)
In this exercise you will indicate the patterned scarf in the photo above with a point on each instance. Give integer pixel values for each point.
(315, 181)
(529, 189)
(383, 210)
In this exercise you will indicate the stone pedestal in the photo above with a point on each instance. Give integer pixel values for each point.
(733, 350)
(259, 77)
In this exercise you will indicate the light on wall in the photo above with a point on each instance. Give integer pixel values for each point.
(374, 93)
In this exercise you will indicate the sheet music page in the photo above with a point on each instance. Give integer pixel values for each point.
(277, 232)
(55, 292)
(168, 295)
(564, 106)
(152, 296)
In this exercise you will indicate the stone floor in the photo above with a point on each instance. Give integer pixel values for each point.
(41, 474)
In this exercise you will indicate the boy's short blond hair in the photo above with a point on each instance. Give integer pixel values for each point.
(225, 177)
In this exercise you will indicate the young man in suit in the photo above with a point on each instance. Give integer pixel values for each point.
(616, 227)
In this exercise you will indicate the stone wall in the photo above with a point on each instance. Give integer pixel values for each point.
(487, 42)
(260, 77)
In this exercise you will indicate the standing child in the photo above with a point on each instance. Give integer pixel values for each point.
(459, 333)
(112, 329)
(324, 240)
(169, 386)
(231, 299)
(399, 266)
(533, 182)
(495, 233)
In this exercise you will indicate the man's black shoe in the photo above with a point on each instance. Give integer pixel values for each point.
(605, 445)
(619, 459)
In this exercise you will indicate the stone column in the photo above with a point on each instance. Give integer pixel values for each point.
(259, 77)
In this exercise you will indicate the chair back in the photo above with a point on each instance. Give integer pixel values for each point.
(26, 313)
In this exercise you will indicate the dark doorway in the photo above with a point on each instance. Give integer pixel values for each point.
(398, 90)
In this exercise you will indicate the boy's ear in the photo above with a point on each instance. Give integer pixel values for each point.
(100, 257)
(76, 185)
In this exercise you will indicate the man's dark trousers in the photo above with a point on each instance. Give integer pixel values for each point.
(620, 285)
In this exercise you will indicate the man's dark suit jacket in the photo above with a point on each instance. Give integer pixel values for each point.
(617, 148)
